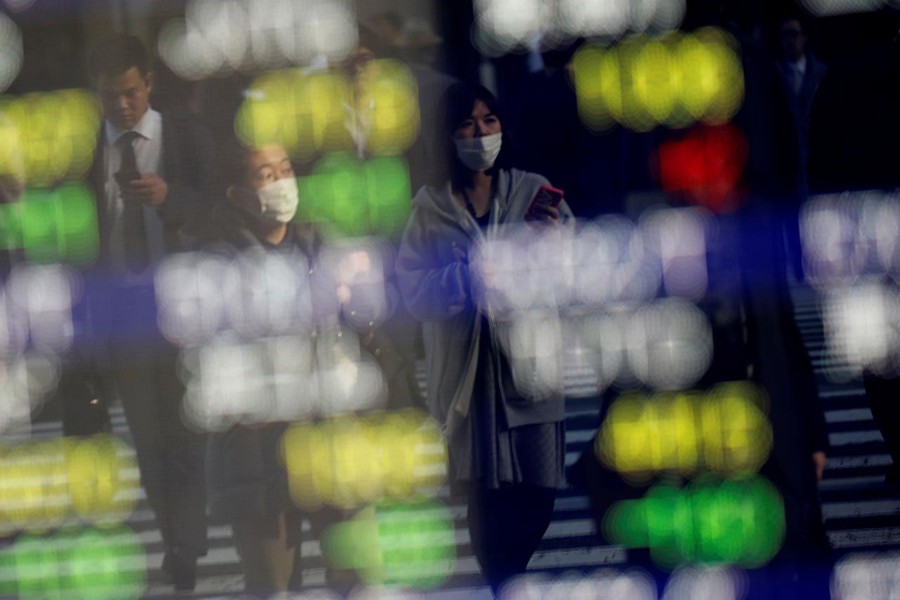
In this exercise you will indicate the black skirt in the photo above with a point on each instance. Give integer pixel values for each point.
(502, 455)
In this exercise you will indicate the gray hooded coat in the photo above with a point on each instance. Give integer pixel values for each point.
(433, 275)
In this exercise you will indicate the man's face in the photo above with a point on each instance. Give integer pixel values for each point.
(793, 41)
(125, 97)
(357, 61)
(267, 165)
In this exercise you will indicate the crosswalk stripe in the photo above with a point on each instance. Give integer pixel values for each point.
(861, 509)
(856, 538)
(847, 470)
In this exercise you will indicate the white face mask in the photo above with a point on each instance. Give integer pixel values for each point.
(278, 200)
(479, 153)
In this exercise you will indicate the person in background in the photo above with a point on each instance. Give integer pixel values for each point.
(800, 73)
(595, 168)
(247, 480)
(401, 333)
(506, 450)
(149, 175)
(853, 138)
(388, 27)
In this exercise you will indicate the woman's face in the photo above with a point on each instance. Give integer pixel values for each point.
(267, 165)
(480, 123)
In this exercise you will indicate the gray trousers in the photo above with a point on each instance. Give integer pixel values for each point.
(169, 454)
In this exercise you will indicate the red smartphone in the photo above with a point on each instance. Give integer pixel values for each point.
(545, 196)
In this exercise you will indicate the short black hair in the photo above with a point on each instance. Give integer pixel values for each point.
(230, 159)
(804, 24)
(116, 54)
(230, 168)
(391, 17)
(369, 39)
(457, 105)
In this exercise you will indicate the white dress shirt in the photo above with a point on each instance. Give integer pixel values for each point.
(148, 152)
(798, 70)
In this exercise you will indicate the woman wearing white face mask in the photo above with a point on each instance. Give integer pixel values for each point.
(506, 450)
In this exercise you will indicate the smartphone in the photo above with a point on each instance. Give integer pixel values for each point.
(545, 196)
(124, 177)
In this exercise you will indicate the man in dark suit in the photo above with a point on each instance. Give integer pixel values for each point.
(148, 177)
(800, 74)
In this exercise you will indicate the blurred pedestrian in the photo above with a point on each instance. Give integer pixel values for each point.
(507, 449)
(149, 176)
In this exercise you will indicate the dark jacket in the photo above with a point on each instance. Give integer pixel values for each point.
(756, 339)
(800, 102)
(187, 169)
(245, 474)
(436, 287)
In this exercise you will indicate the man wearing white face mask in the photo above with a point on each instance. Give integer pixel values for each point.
(268, 196)
(247, 481)
(506, 448)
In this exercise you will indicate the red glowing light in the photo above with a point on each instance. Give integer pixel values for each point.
(705, 166)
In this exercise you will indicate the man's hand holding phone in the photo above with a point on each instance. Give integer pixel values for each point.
(149, 189)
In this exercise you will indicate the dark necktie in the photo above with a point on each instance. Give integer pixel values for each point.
(136, 251)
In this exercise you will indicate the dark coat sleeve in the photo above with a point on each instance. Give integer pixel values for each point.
(188, 159)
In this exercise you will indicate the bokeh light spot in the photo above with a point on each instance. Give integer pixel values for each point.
(226, 36)
(709, 521)
(502, 26)
(57, 225)
(12, 53)
(357, 198)
(692, 582)
(350, 461)
(825, 8)
(48, 484)
(861, 330)
(84, 564)
(404, 545)
(866, 576)
(376, 112)
(725, 431)
(54, 134)
(672, 80)
(705, 166)
(607, 584)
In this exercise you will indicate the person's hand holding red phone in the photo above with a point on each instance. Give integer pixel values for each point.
(544, 207)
